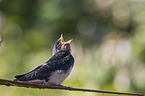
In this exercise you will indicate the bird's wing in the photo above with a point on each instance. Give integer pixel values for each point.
(37, 73)
(18, 76)
(61, 61)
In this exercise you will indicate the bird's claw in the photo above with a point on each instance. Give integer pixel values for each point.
(62, 86)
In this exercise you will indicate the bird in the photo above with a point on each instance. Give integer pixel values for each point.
(55, 70)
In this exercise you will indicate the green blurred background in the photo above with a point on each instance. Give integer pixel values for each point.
(108, 43)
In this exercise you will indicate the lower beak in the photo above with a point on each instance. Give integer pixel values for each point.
(68, 42)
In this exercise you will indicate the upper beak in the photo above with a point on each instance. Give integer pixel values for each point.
(62, 40)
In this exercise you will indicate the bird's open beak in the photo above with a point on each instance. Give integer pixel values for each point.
(62, 40)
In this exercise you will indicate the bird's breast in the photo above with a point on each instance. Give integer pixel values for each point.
(58, 76)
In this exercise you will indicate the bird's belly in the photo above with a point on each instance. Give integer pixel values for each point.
(58, 77)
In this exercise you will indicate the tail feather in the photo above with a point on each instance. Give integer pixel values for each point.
(18, 76)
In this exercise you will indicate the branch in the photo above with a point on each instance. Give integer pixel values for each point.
(30, 85)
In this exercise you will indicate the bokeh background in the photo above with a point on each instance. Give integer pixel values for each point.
(108, 43)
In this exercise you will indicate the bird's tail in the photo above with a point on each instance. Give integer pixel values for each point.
(17, 77)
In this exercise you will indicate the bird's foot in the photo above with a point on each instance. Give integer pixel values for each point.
(62, 86)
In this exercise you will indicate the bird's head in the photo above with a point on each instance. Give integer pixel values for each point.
(60, 45)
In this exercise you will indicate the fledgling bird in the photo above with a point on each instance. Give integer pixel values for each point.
(55, 70)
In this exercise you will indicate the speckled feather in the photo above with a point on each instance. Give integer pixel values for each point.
(62, 60)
